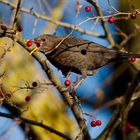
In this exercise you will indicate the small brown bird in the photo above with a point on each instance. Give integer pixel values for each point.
(74, 54)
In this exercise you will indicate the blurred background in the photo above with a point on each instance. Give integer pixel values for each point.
(46, 104)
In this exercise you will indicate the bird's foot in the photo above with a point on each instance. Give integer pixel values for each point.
(78, 83)
(68, 75)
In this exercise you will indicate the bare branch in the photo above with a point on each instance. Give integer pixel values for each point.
(16, 13)
(107, 33)
(66, 25)
(32, 122)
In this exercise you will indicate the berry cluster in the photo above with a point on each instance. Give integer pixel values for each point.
(29, 43)
(95, 123)
(112, 19)
(133, 59)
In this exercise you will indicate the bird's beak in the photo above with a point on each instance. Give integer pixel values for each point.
(36, 48)
(37, 43)
(42, 47)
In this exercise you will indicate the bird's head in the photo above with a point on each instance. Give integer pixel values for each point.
(47, 42)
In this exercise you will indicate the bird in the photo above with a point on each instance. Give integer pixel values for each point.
(74, 54)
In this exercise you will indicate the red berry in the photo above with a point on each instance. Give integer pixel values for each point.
(87, 8)
(133, 16)
(93, 123)
(67, 82)
(34, 84)
(133, 59)
(119, 19)
(28, 98)
(129, 127)
(19, 28)
(29, 43)
(111, 19)
(98, 122)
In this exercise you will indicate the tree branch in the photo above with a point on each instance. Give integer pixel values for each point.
(104, 25)
(32, 122)
(59, 23)
(16, 14)
(120, 114)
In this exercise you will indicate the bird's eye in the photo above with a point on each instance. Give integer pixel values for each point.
(43, 39)
(83, 52)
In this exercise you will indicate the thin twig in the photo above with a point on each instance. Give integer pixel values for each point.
(135, 33)
(38, 16)
(16, 14)
(114, 122)
(103, 23)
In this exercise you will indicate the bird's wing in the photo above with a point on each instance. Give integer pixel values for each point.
(75, 44)
(74, 41)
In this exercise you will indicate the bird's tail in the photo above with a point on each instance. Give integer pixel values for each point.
(122, 55)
